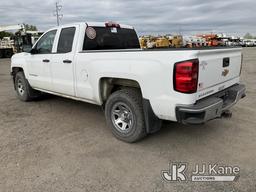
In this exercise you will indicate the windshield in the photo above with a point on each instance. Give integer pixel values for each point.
(102, 38)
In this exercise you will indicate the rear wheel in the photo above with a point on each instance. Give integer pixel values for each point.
(124, 115)
(23, 89)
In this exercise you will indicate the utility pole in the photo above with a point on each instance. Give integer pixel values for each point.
(57, 13)
(180, 30)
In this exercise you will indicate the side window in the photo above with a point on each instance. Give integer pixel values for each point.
(44, 45)
(66, 40)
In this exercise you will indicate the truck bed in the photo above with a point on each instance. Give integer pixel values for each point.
(163, 49)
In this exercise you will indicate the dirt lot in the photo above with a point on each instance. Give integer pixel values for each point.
(62, 145)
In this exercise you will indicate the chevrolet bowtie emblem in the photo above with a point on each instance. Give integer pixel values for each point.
(225, 72)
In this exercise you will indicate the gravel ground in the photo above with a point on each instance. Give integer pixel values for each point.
(58, 144)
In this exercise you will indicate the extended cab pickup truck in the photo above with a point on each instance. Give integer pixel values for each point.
(103, 64)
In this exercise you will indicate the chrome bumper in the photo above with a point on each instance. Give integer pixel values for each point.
(211, 107)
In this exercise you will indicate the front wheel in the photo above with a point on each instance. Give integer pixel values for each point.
(23, 89)
(124, 115)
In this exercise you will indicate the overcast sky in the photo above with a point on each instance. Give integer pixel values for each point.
(148, 16)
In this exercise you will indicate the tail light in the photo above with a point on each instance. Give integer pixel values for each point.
(186, 76)
(112, 24)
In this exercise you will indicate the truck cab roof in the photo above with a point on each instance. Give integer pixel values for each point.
(103, 24)
(94, 24)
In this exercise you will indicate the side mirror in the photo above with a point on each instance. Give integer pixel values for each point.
(33, 51)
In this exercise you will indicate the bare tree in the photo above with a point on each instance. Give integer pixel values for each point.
(248, 36)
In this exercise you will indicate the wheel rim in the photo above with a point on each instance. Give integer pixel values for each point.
(20, 87)
(122, 117)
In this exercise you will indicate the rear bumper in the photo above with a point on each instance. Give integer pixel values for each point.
(211, 107)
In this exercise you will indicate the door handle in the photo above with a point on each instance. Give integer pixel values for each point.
(46, 60)
(67, 61)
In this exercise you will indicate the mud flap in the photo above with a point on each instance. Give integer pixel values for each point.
(153, 123)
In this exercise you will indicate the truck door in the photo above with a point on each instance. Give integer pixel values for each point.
(62, 64)
(39, 62)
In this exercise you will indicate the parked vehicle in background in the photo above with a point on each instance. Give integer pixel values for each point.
(162, 42)
(6, 47)
(194, 41)
(22, 40)
(103, 64)
(212, 40)
(143, 42)
(147, 42)
(176, 41)
(249, 42)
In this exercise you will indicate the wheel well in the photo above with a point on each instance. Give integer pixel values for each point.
(110, 85)
(15, 70)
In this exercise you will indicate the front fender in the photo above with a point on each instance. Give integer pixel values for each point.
(18, 60)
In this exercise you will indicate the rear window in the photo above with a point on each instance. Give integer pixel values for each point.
(103, 38)
(66, 40)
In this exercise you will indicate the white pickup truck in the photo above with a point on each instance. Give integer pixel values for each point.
(103, 64)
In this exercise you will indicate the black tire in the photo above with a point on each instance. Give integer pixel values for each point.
(23, 89)
(130, 100)
(8, 53)
(1, 54)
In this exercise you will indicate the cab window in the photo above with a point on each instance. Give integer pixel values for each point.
(45, 44)
(66, 40)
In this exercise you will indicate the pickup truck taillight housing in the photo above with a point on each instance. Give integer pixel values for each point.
(185, 76)
(112, 24)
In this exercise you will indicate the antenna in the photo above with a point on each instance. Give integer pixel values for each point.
(57, 13)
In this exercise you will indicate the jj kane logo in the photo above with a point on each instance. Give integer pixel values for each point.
(200, 172)
(176, 172)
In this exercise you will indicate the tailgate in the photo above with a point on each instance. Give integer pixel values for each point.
(217, 69)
